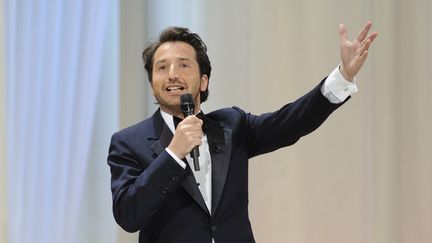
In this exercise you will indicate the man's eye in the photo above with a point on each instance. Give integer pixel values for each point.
(184, 65)
(162, 67)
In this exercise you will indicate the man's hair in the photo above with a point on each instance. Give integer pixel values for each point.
(172, 34)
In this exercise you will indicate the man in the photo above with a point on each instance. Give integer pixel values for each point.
(155, 188)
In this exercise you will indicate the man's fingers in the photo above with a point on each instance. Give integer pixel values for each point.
(343, 33)
(372, 36)
(363, 33)
(364, 45)
(363, 56)
(367, 42)
(191, 125)
(191, 120)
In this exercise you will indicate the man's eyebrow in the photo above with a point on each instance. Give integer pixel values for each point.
(179, 59)
(161, 61)
(184, 59)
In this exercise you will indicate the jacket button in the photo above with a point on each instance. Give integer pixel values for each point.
(214, 228)
(173, 180)
(164, 189)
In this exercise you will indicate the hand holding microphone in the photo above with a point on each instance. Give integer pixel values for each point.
(188, 133)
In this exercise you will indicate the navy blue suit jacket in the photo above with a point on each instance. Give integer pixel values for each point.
(153, 194)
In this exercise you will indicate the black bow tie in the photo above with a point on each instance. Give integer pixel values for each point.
(212, 129)
(177, 120)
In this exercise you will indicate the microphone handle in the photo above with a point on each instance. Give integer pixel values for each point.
(195, 155)
(195, 151)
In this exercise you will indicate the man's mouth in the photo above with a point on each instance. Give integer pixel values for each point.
(175, 88)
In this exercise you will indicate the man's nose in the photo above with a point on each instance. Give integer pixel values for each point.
(173, 73)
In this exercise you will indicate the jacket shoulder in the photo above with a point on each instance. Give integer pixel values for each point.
(227, 116)
(140, 131)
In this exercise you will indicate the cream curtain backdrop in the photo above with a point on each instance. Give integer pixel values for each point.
(61, 66)
(365, 175)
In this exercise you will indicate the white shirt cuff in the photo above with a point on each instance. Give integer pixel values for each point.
(179, 161)
(336, 88)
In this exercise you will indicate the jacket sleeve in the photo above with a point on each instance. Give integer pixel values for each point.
(284, 127)
(139, 183)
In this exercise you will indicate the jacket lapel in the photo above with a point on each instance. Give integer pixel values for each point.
(190, 185)
(220, 162)
(220, 144)
(162, 139)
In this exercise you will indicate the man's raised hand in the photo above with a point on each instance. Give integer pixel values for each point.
(354, 53)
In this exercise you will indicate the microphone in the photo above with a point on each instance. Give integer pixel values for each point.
(187, 106)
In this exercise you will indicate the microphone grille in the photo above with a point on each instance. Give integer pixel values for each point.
(186, 98)
(187, 104)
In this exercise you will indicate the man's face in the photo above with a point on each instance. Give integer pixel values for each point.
(176, 72)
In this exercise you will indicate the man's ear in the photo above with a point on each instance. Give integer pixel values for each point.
(204, 83)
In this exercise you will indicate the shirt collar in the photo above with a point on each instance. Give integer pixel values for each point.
(168, 118)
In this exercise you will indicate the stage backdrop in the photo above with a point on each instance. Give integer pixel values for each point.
(61, 106)
(365, 175)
